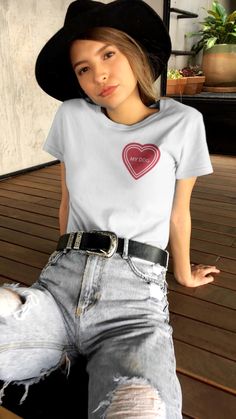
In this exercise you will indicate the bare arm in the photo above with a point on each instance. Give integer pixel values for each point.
(64, 206)
(180, 233)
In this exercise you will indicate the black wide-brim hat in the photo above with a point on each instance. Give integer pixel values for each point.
(54, 72)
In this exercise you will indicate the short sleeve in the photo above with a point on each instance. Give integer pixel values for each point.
(194, 159)
(54, 141)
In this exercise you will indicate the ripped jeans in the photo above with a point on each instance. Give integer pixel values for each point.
(113, 311)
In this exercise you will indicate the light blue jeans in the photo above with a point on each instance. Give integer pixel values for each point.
(113, 311)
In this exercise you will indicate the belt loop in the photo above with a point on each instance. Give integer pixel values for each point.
(167, 259)
(125, 253)
(70, 241)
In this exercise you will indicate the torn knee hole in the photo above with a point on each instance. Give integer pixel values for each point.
(134, 399)
(10, 301)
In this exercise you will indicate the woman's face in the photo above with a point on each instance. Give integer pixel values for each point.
(104, 73)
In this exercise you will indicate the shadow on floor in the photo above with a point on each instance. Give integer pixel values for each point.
(55, 397)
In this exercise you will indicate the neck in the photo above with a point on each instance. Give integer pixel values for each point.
(129, 114)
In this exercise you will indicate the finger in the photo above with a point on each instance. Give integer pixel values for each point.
(211, 269)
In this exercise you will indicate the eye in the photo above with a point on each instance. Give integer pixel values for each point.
(82, 71)
(109, 54)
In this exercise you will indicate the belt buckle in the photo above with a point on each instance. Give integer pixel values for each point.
(112, 248)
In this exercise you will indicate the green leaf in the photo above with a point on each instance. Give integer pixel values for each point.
(212, 13)
(221, 11)
(211, 42)
(232, 17)
(190, 34)
(214, 6)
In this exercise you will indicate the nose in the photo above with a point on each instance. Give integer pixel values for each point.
(100, 74)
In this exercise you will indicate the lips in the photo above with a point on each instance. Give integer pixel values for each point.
(107, 91)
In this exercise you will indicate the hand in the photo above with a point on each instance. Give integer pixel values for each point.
(200, 275)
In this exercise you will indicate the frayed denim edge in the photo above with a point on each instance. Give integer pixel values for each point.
(35, 380)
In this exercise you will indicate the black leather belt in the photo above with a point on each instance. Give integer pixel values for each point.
(106, 243)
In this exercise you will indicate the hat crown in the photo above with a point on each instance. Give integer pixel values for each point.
(80, 6)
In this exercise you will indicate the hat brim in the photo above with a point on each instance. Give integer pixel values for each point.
(53, 70)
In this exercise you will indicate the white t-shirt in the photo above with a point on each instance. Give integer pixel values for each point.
(122, 178)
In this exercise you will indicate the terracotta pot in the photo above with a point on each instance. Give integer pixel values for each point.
(194, 85)
(176, 86)
(219, 65)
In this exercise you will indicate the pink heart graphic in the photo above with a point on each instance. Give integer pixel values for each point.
(139, 159)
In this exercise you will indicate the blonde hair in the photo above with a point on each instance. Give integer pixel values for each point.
(135, 54)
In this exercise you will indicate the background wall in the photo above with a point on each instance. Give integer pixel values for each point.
(26, 112)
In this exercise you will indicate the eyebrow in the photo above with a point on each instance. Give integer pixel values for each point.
(97, 53)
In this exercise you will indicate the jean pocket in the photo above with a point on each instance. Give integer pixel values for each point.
(53, 259)
(154, 275)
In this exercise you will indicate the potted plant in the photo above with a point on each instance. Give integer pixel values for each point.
(195, 79)
(218, 42)
(175, 82)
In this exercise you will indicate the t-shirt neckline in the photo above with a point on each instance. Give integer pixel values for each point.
(107, 121)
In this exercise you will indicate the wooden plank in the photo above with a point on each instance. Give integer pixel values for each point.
(224, 264)
(223, 280)
(204, 311)
(212, 237)
(204, 336)
(197, 258)
(214, 204)
(213, 196)
(17, 225)
(209, 226)
(36, 208)
(18, 271)
(53, 203)
(217, 219)
(223, 212)
(203, 401)
(227, 265)
(35, 185)
(29, 216)
(200, 257)
(41, 180)
(19, 254)
(30, 191)
(222, 160)
(45, 175)
(206, 367)
(6, 414)
(216, 180)
(222, 173)
(18, 196)
(223, 194)
(213, 248)
(210, 292)
(26, 240)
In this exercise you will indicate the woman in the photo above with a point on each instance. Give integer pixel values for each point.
(128, 164)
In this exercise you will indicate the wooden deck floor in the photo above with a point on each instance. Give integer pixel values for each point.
(203, 319)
